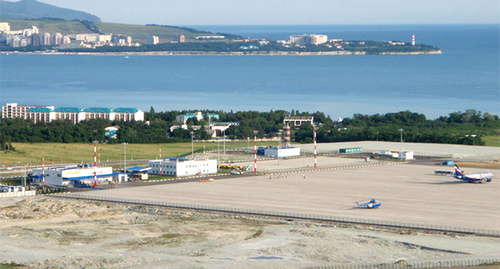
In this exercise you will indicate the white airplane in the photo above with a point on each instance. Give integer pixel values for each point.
(478, 177)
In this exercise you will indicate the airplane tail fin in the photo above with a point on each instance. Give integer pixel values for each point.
(458, 173)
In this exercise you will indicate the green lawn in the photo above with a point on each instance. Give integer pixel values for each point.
(54, 153)
(492, 141)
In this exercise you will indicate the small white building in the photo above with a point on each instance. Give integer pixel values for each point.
(282, 152)
(62, 176)
(406, 155)
(182, 167)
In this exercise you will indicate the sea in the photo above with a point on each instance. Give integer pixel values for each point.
(465, 76)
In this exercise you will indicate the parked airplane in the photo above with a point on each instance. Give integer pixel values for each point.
(478, 177)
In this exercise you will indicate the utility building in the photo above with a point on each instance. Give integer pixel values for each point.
(282, 152)
(183, 167)
(64, 175)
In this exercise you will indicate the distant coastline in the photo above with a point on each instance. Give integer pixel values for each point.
(207, 53)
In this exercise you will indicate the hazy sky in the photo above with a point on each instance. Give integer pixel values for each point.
(255, 12)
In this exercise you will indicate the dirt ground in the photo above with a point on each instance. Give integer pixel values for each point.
(51, 232)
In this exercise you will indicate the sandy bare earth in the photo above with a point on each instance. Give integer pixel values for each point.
(51, 232)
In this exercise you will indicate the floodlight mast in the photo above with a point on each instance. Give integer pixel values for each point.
(255, 151)
(124, 157)
(315, 148)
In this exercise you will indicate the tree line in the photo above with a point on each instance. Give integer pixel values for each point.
(371, 47)
(457, 128)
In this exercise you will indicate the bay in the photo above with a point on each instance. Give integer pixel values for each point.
(465, 76)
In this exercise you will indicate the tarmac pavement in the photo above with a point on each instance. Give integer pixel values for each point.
(408, 192)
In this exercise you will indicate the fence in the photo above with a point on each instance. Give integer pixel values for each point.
(17, 194)
(495, 233)
(402, 264)
(343, 165)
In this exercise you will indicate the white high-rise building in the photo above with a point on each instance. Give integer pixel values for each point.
(57, 39)
(46, 38)
(13, 110)
(4, 27)
(153, 40)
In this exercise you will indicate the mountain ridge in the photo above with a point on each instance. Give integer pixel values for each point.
(32, 9)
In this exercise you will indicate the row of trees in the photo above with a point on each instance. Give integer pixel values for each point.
(458, 128)
(371, 47)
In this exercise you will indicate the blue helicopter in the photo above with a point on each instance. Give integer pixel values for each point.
(370, 204)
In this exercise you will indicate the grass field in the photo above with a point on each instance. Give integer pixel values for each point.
(50, 26)
(54, 153)
(492, 141)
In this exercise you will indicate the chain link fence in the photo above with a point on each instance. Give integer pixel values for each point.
(341, 165)
(402, 264)
(485, 232)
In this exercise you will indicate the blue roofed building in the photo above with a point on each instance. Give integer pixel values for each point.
(97, 113)
(73, 114)
(40, 114)
(68, 113)
(128, 114)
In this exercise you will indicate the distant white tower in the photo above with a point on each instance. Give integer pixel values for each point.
(413, 39)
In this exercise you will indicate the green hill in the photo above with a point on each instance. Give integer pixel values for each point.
(31, 9)
(49, 26)
(139, 33)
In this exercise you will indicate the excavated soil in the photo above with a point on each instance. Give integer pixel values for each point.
(51, 232)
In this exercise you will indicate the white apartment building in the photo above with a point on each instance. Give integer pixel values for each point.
(153, 40)
(308, 39)
(182, 167)
(13, 110)
(73, 114)
(57, 39)
(4, 27)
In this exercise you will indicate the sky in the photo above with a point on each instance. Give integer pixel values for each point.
(288, 12)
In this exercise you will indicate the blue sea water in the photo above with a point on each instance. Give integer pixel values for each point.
(465, 76)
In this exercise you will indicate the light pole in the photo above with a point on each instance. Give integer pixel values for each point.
(280, 132)
(224, 144)
(401, 151)
(255, 151)
(161, 163)
(315, 129)
(124, 157)
(192, 148)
